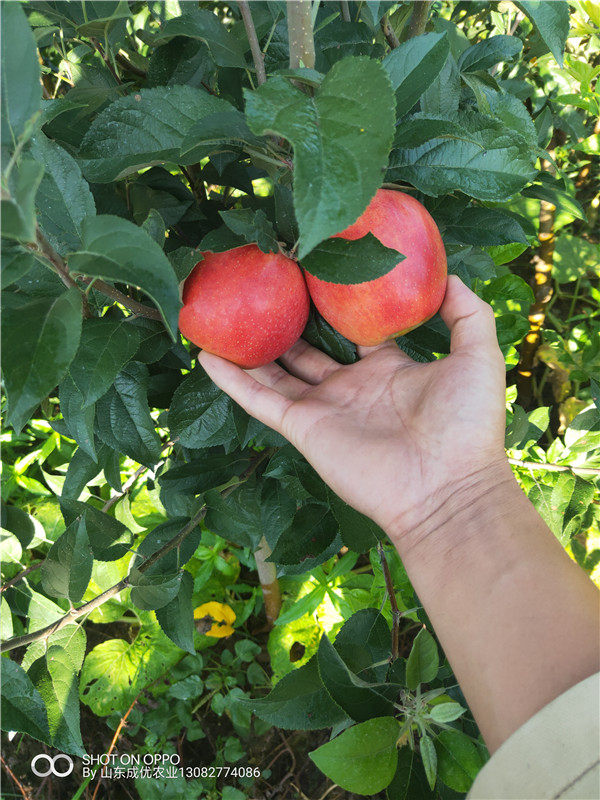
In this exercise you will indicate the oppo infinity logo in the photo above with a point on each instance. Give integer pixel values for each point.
(43, 760)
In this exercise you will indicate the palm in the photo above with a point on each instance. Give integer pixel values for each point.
(387, 434)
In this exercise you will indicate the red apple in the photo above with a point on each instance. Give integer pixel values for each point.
(245, 305)
(410, 294)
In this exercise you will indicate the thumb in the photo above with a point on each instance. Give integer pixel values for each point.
(470, 319)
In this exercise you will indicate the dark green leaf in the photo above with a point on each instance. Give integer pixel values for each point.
(559, 198)
(117, 250)
(18, 204)
(40, 340)
(203, 24)
(363, 758)
(423, 661)
(236, 517)
(20, 70)
(176, 618)
(358, 532)
(200, 413)
(487, 53)
(299, 701)
(341, 140)
(551, 21)
(71, 638)
(508, 287)
(344, 261)
(485, 227)
(109, 538)
(105, 347)
(55, 678)
(23, 708)
(359, 698)
(63, 199)
(364, 643)
(296, 474)
(150, 592)
(443, 96)
(67, 568)
(181, 61)
(511, 328)
(82, 469)
(314, 528)
(78, 418)
(486, 160)
(252, 226)
(214, 131)
(322, 336)
(413, 66)
(142, 129)
(458, 760)
(410, 781)
(123, 416)
(16, 262)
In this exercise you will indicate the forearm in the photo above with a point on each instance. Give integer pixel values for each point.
(517, 618)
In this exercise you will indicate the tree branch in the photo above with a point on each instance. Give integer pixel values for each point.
(553, 467)
(257, 56)
(138, 308)
(300, 34)
(91, 605)
(389, 32)
(60, 267)
(418, 19)
(345, 10)
(396, 614)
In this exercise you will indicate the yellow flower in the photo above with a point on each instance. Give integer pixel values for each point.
(214, 619)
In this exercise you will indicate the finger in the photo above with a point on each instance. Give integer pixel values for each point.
(275, 377)
(262, 402)
(390, 345)
(470, 319)
(308, 363)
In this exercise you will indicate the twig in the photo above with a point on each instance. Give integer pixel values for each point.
(60, 267)
(91, 605)
(20, 576)
(122, 59)
(24, 792)
(418, 19)
(116, 737)
(124, 489)
(98, 47)
(396, 614)
(389, 32)
(345, 10)
(138, 308)
(257, 56)
(553, 467)
(300, 34)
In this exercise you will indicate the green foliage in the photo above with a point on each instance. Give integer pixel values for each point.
(136, 135)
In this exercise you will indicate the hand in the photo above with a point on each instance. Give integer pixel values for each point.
(394, 438)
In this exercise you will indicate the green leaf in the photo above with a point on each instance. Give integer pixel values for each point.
(64, 198)
(414, 65)
(16, 262)
(299, 701)
(583, 433)
(23, 708)
(341, 139)
(176, 618)
(78, 419)
(142, 129)
(149, 592)
(108, 537)
(551, 20)
(67, 568)
(18, 206)
(105, 347)
(204, 25)
(559, 198)
(363, 758)
(115, 249)
(446, 712)
(20, 69)
(344, 261)
(123, 416)
(458, 760)
(358, 532)
(71, 639)
(55, 677)
(359, 698)
(506, 288)
(236, 517)
(299, 478)
(487, 53)
(252, 226)
(116, 671)
(429, 756)
(410, 781)
(485, 227)
(443, 96)
(477, 155)
(314, 528)
(423, 662)
(364, 643)
(40, 341)
(214, 131)
(511, 328)
(200, 412)
(574, 257)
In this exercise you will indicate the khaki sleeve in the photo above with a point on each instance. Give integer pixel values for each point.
(555, 754)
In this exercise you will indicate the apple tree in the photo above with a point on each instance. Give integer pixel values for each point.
(135, 137)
